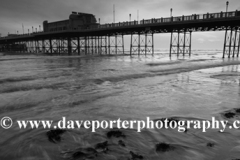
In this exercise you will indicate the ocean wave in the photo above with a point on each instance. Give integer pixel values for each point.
(16, 79)
(187, 67)
(10, 89)
(226, 75)
(163, 63)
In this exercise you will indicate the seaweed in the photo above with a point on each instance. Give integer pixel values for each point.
(135, 156)
(102, 146)
(238, 110)
(121, 143)
(84, 153)
(55, 135)
(209, 144)
(229, 115)
(116, 133)
(164, 147)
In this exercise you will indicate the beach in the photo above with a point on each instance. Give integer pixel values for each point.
(111, 87)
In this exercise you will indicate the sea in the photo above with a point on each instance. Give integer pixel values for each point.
(37, 87)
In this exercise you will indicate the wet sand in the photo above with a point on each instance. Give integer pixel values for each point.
(108, 88)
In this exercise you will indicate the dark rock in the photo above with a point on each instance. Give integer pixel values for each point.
(164, 147)
(135, 156)
(229, 115)
(79, 154)
(115, 134)
(121, 143)
(84, 153)
(210, 144)
(55, 135)
(102, 147)
(238, 110)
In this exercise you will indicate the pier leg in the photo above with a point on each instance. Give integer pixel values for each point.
(99, 49)
(92, 45)
(59, 46)
(180, 42)
(109, 44)
(123, 44)
(190, 43)
(85, 45)
(75, 45)
(69, 46)
(51, 48)
(152, 44)
(238, 42)
(131, 44)
(235, 40)
(139, 42)
(184, 39)
(43, 46)
(225, 43)
(146, 44)
(36, 46)
(171, 45)
(64, 46)
(103, 45)
(231, 42)
(142, 43)
(116, 44)
(96, 45)
(78, 45)
(178, 45)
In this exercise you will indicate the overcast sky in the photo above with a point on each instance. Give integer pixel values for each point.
(14, 13)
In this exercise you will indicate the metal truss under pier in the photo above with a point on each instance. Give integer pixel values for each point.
(180, 42)
(142, 43)
(231, 42)
(88, 45)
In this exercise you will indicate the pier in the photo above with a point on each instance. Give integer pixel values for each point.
(108, 39)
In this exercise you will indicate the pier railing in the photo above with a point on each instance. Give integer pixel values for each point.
(177, 19)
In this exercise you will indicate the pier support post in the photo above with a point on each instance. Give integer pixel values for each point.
(69, 46)
(142, 43)
(86, 45)
(59, 46)
(47, 46)
(74, 45)
(180, 42)
(109, 44)
(103, 45)
(78, 45)
(96, 45)
(91, 45)
(43, 46)
(238, 46)
(51, 48)
(231, 42)
(82, 45)
(54, 46)
(39, 46)
(36, 46)
(116, 44)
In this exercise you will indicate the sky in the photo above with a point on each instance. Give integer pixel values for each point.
(18, 14)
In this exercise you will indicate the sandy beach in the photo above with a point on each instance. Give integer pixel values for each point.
(108, 88)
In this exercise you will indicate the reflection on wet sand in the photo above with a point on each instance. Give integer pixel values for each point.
(108, 88)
